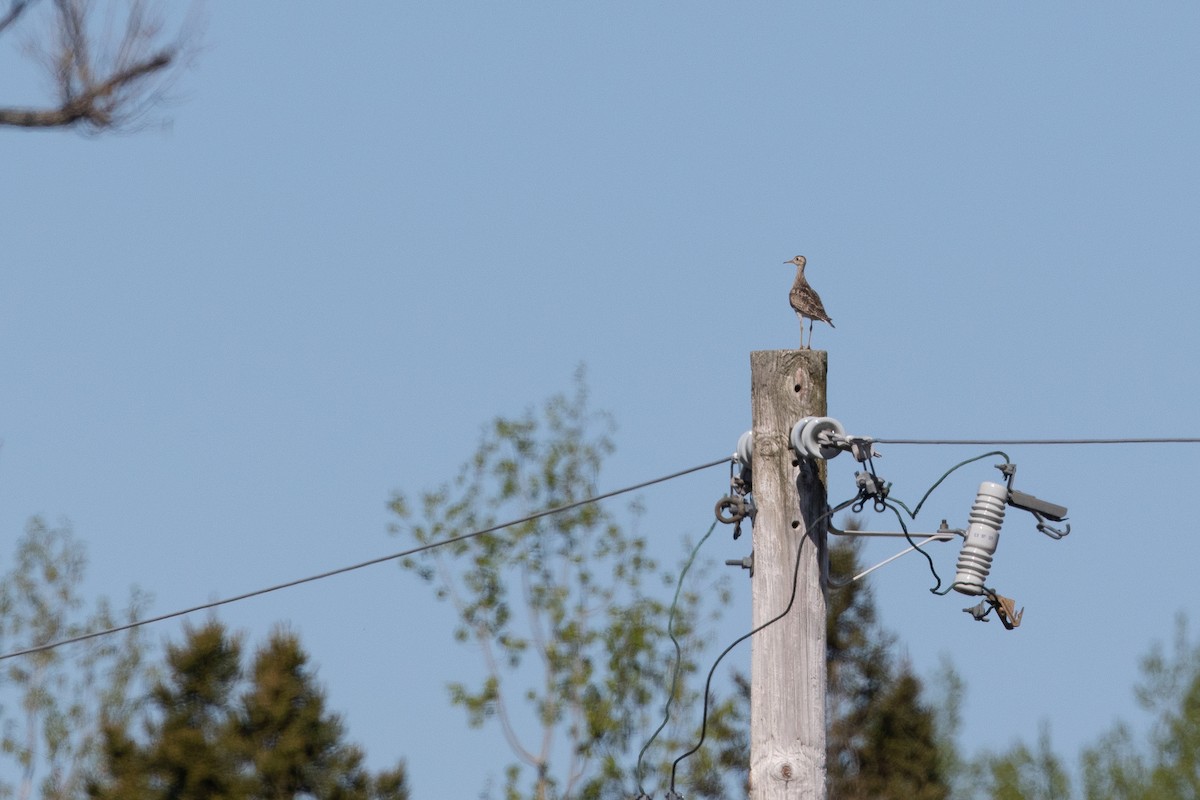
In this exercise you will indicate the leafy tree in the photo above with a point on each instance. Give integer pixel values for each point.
(882, 740)
(1166, 766)
(1025, 774)
(61, 694)
(100, 83)
(723, 769)
(217, 732)
(1169, 767)
(564, 609)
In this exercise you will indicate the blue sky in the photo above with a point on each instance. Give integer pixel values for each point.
(367, 232)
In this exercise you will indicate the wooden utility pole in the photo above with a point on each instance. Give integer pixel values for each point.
(787, 693)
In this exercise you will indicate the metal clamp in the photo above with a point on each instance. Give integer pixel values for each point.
(739, 503)
(1042, 510)
(1005, 608)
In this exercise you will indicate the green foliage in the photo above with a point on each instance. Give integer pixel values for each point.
(294, 746)
(60, 694)
(947, 705)
(218, 732)
(882, 740)
(723, 769)
(1169, 767)
(1024, 774)
(565, 610)
(1166, 766)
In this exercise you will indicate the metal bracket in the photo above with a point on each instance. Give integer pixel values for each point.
(1036, 506)
(744, 563)
(739, 503)
(1042, 510)
(1005, 608)
(862, 448)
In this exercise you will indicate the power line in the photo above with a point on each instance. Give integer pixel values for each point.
(371, 562)
(990, 442)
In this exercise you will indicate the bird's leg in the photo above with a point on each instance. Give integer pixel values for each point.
(810, 327)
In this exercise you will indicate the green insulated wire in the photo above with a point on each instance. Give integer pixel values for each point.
(913, 514)
(678, 656)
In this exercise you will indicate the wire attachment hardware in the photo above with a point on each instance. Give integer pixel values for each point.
(826, 438)
(817, 437)
(862, 448)
(1005, 608)
(871, 487)
(739, 503)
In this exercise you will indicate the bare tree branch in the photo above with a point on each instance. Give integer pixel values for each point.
(102, 82)
(15, 9)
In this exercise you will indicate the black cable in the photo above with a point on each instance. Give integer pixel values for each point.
(895, 505)
(936, 577)
(791, 601)
(330, 573)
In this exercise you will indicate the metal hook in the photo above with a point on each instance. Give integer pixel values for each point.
(730, 509)
(1050, 530)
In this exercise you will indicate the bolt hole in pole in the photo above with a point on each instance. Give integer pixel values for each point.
(795, 524)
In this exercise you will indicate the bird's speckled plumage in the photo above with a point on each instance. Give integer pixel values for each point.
(806, 302)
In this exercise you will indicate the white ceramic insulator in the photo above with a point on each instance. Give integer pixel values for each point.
(805, 433)
(745, 448)
(983, 534)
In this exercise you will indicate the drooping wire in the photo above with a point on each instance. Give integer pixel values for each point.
(791, 601)
(371, 562)
(917, 510)
(678, 658)
(912, 543)
(895, 505)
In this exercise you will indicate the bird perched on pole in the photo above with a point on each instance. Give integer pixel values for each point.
(806, 302)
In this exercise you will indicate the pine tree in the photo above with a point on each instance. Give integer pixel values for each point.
(218, 732)
(285, 737)
(187, 756)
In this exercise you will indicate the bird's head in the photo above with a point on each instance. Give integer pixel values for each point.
(799, 261)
